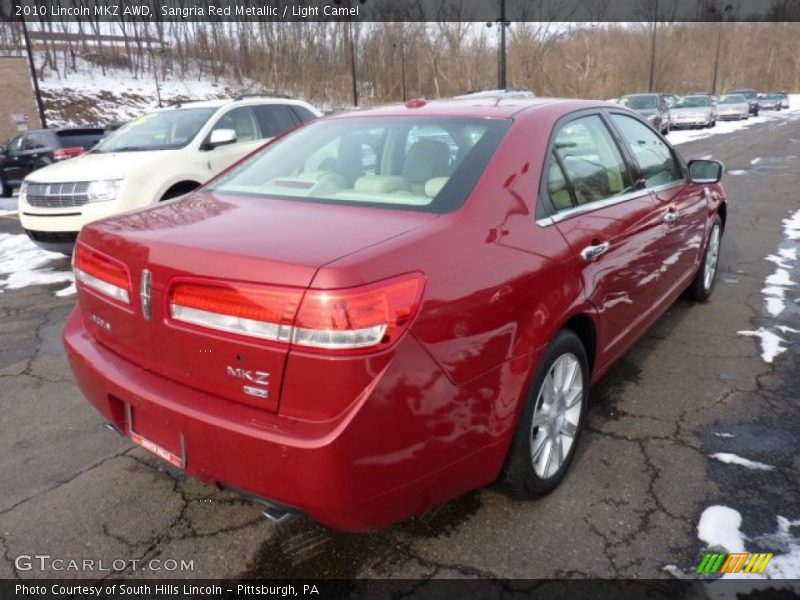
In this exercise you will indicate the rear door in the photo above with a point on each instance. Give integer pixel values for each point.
(682, 207)
(612, 226)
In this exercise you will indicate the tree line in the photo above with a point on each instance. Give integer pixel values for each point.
(313, 59)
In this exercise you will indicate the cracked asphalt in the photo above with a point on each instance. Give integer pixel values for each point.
(630, 507)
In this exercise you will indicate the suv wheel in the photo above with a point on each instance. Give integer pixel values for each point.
(550, 425)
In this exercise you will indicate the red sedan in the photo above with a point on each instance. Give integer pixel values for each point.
(385, 309)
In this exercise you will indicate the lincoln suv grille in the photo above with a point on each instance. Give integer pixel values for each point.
(57, 195)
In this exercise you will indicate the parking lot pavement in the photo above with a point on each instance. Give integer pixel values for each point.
(644, 478)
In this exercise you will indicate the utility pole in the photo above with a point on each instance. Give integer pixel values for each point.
(653, 50)
(502, 78)
(352, 56)
(402, 46)
(726, 10)
(34, 78)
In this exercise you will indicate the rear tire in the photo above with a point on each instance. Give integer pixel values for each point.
(703, 284)
(550, 425)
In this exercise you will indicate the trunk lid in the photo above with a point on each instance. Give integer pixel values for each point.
(225, 238)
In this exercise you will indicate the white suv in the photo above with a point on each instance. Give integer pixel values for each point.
(161, 155)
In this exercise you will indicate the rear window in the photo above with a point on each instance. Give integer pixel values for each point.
(79, 138)
(693, 102)
(426, 164)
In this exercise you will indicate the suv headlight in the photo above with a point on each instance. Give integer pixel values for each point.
(104, 190)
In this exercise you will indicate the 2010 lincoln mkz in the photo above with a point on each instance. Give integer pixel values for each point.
(387, 308)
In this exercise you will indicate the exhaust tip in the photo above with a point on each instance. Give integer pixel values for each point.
(114, 428)
(279, 516)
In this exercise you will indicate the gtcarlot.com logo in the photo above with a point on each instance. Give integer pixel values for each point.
(737, 562)
(46, 562)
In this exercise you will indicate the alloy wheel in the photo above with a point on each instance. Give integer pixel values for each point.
(556, 417)
(712, 257)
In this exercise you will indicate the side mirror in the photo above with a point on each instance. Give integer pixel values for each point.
(220, 137)
(705, 171)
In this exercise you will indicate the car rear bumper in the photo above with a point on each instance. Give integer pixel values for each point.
(354, 473)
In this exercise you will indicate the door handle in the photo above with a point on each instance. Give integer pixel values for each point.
(594, 252)
(671, 216)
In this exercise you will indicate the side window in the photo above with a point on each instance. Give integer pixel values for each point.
(34, 141)
(591, 160)
(243, 122)
(557, 186)
(303, 113)
(655, 158)
(274, 119)
(14, 146)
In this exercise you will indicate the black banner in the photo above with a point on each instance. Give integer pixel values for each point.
(438, 589)
(401, 10)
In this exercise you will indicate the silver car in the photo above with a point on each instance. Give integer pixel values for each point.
(693, 111)
(733, 106)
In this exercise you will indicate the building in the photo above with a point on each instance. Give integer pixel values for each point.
(17, 99)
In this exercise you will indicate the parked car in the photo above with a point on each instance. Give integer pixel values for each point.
(653, 107)
(156, 157)
(770, 101)
(38, 148)
(784, 100)
(733, 106)
(752, 98)
(694, 111)
(360, 345)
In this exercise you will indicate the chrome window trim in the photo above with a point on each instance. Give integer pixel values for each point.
(613, 200)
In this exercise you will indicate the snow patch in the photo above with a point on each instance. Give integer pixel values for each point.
(724, 435)
(756, 160)
(733, 459)
(22, 264)
(771, 343)
(736, 172)
(719, 528)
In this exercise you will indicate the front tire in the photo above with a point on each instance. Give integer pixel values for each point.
(703, 284)
(551, 422)
(5, 189)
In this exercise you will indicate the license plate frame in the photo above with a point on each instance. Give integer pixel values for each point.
(168, 456)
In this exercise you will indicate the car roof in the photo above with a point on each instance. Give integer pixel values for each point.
(498, 108)
(227, 101)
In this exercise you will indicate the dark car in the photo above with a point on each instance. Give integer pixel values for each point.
(653, 107)
(40, 147)
(361, 345)
(752, 98)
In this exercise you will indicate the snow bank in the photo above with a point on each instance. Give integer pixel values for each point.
(22, 264)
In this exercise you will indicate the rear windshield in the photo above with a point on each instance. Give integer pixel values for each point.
(79, 138)
(693, 101)
(733, 99)
(412, 163)
(640, 102)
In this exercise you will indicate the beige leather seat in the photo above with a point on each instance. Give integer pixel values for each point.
(426, 159)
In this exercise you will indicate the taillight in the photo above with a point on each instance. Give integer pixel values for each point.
(358, 318)
(255, 311)
(371, 316)
(102, 274)
(63, 153)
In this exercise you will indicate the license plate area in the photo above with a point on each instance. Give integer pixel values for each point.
(156, 435)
